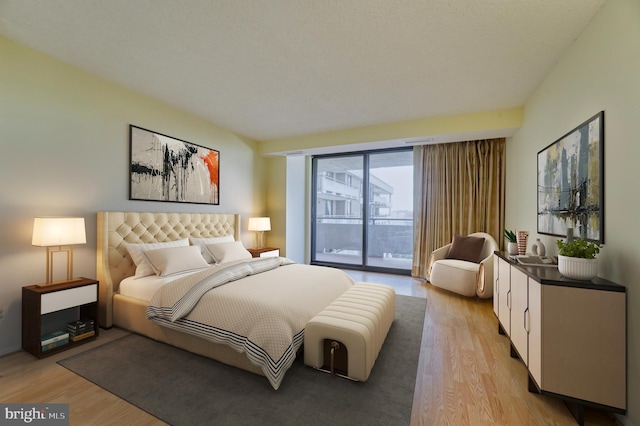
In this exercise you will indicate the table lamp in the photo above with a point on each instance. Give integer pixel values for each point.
(260, 224)
(58, 234)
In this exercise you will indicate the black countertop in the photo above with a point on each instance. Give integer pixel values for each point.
(549, 275)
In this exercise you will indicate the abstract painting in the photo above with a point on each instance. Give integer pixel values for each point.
(571, 183)
(164, 168)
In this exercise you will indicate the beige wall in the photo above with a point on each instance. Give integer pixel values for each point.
(601, 71)
(287, 205)
(64, 135)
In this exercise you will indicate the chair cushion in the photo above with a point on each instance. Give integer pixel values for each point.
(455, 275)
(466, 248)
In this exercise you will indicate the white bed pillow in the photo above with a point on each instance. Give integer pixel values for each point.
(175, 260)
(136, 251)
(228, 252)
(202, 243)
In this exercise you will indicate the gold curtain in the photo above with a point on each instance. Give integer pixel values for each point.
(459, 189)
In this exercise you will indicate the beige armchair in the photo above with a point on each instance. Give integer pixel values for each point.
(465, 277)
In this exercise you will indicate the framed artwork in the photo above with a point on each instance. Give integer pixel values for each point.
(571, 183)
(164, 168)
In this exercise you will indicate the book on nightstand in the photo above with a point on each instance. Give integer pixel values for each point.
(80, 327)
(53, 340)
(76, 337)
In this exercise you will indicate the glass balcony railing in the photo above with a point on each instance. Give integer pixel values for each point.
(390, 241)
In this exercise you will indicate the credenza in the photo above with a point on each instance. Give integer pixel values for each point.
(570, 334)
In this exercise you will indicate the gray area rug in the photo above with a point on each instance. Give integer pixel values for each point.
(182, 388)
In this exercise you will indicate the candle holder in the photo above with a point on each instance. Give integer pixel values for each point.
(521, 238)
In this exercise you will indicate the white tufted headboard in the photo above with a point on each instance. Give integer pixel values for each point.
(117, 228)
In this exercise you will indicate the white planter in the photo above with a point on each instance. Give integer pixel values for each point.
(577, 268)
(512, 248)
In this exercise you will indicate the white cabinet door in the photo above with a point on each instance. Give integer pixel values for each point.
(519, 313)
(504, 308)
(534, 327)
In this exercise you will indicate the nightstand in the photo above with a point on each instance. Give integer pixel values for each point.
(49, 309)
(264, 252)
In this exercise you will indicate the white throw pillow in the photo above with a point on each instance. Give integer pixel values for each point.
(175, 260)
(228, 252)
(202, 243)
(136, 251)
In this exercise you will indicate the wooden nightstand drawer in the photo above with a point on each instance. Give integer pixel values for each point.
(264, 252)
(271, 253)
(51, 302)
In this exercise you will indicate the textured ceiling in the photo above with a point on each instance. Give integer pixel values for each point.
(281, 68)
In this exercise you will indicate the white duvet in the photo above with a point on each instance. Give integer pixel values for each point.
(262, 314)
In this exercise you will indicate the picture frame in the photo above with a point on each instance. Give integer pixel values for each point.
(570, 183)
(164, 168)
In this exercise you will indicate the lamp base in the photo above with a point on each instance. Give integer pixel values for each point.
(260, 239)
(68, 250)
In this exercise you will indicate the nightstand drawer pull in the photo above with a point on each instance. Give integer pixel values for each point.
(58, 300)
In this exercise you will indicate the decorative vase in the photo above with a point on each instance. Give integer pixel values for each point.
(569, 235)
(522, 237)
(512, 248)
(538, 248)
(577, 268)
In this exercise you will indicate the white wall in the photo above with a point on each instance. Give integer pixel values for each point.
(297, 212)
(64, 135)
(600, 71)
(276, 177)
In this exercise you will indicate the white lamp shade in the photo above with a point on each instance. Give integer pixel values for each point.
(58, 231)
(259, 224)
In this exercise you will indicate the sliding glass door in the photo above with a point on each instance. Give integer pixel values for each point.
(339, 214)
(363, 210)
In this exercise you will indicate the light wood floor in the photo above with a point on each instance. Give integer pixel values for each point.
(465, 374)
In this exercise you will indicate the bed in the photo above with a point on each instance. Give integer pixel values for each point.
(116, 230)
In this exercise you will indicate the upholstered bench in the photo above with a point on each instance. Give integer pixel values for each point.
(346, 337)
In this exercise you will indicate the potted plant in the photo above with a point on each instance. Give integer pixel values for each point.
(512, 242)
(577, 258)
